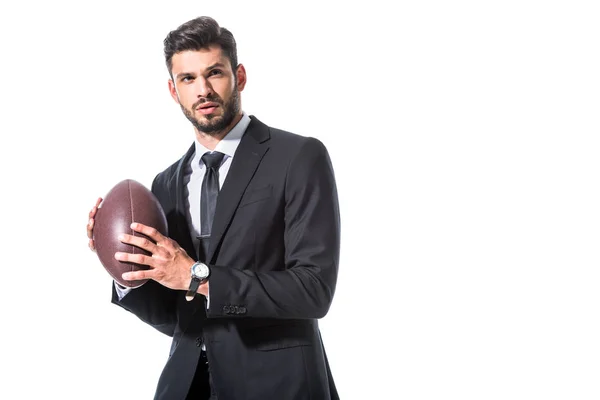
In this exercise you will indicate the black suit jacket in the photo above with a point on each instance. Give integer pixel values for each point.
(274, 254)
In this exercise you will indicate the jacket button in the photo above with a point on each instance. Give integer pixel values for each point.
(226, 309)
(242, 310)
(198, 342)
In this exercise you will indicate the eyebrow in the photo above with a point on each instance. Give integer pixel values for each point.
(182, 75)
(216, 65)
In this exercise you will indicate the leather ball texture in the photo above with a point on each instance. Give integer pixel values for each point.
(128, 201)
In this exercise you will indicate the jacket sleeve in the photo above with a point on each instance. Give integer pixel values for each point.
(305, 288)
(152, 303)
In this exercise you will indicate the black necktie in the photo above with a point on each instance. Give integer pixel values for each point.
(208, 196)
(210, 190)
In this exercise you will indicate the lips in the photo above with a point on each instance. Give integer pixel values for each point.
(207, 108)
(207, 105)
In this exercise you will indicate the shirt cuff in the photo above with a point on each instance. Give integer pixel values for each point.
(208, 298)
(121, 290)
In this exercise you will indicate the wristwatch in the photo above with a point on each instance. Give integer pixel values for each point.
(200, 274)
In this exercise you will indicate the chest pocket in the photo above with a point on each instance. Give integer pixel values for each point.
(256, 195)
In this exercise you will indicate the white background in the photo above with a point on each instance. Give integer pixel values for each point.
(464, 137)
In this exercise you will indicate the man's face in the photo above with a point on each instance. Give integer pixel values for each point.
(205, 86)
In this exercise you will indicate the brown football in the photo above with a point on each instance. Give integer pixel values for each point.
(128, 201)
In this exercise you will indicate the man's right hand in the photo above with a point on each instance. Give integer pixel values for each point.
(90, 224)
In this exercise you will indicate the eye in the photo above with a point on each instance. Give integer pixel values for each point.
(187, 79)
(214, 72)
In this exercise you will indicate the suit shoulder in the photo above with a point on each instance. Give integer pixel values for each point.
(165, 178)
(294, 142)
(285, 141)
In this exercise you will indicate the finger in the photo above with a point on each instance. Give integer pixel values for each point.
(92, 245)
(94, 209)
(134, 258)
(139, 241)
(90, 228)
(149, 231)
(137, 275)
(90, 225)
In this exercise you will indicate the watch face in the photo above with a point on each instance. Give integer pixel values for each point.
(200, 270)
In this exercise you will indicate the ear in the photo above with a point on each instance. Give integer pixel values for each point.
(241, 77)
(173, 91)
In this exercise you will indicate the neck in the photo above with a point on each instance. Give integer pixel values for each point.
(210, 140)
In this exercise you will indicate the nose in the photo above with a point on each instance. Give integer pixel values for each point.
(203, 88)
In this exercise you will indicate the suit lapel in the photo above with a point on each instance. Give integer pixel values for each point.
(252, 148)
(180, 203)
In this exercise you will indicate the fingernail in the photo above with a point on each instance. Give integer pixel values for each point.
(121, 236)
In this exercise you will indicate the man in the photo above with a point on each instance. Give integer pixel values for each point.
(240, 283)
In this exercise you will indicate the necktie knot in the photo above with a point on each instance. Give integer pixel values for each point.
(212, 160)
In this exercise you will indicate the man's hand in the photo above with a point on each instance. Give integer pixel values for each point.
(90, 224)
(203, 289)
(169, 263)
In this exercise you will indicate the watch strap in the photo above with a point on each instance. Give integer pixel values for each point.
(194, 285)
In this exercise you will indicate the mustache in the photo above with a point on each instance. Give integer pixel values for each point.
(212, 99)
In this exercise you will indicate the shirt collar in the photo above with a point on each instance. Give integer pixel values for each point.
(228, 145)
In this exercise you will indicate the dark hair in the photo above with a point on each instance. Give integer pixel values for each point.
(197, 34)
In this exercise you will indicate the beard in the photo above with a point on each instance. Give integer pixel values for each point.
(215, 124)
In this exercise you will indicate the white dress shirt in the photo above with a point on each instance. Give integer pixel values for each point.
(194, 175)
